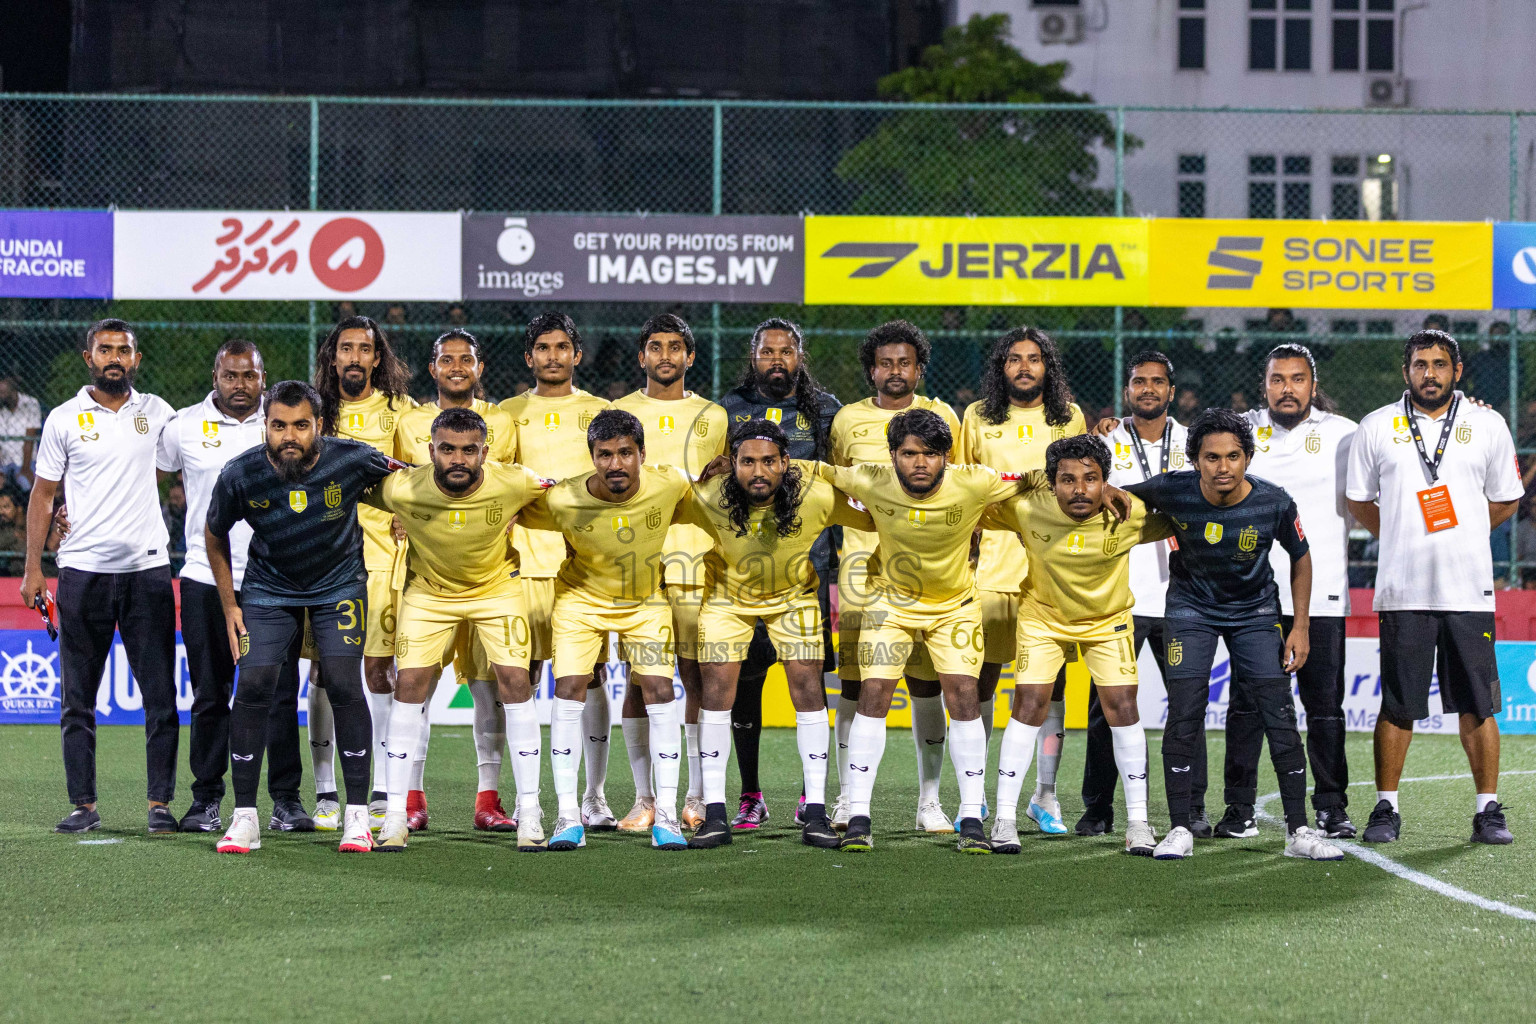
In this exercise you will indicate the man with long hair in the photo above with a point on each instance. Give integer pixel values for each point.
(1025, 404)
(776, 385)
(894, 357)
(362, 386)
(766, 514)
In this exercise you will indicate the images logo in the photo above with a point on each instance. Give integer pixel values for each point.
(1244, 269)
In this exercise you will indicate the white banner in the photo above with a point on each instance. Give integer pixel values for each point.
(275, 255)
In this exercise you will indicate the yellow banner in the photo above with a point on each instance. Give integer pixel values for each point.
(989, 261)
(1322, 264)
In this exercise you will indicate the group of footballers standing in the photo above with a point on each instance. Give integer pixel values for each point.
(385, 539)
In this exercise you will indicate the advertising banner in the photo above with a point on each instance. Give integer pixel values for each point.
(1514, 266)
(1322, 264)
(633, 259)
(63, 254)
(958, 261)
(275, 255)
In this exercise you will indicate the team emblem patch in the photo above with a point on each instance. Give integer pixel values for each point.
(386, 421)
(1400, 423)
(355, 421)
(774, 415)
(551, 421)
(666, 424)
(1264, 433)
(1075, 544)
(701, 427)
(1213, 533)
(1175, 652)
(141, 423)
(332, 494)
(802, 421)
(1111, 543)
(490, 434)
(1464, 434)
(917, 516)
(622, 528)
(457, 517)
(1176, 460)
(493, 514)
(86, 420)
(1057, 433)
(653, 518)
(952, 516)
(584, 420)
(298, 500)
(1248, 538)
(1314, 443)
(210, 430)
(1122, 451)
(1026, 432)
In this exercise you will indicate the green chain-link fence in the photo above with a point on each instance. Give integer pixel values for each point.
(629, 157)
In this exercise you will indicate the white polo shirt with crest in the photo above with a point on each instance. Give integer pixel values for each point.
(1149, 562)
(107, 461)
(201, 440)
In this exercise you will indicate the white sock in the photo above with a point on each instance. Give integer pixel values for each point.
(564, 750)
(1052, 735)
(379, 706)
(1130, 743)
(596, 727)
(1390, 796)
(847, 711)
(403, 738)
(1013, 757)
(419, 765)
(988, 711)
(968, 753)
(866, 746)
(928, 737)
(322, 737)
(526, 742)
(489, 732)
(666, 753)
(1483, 800)
(712, 748)
(637, 744)
(811, 733)
(691, 741)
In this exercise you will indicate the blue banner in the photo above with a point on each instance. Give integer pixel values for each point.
(1514, 266)
(62, 254)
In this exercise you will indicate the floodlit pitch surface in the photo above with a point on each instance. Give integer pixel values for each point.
(459, 928)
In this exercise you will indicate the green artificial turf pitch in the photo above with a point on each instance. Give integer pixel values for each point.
(459, 928)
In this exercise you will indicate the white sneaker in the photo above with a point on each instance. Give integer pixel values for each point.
(931, 818)
(376, 810)
(841, 812)
(597, 815)
(244, 833)
(356, 836)
(1005, 836)
(1176, 845)
(1140, 840)
(530, 832)
(1310, 844)
(327, 815)
(393, 834)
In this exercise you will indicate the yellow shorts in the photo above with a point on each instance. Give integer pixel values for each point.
(582, 625)
(999, 625)
(468, 656)
(430, 621)
(855, 595)
(890, 637)
(685, 601)
(725, 629)
(1109, 652)
(383, 610)
(539, 596)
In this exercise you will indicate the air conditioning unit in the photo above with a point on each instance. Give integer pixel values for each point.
(1060, 27)
(1386, 92)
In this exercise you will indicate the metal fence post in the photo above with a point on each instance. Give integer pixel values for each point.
(1119, 212)
(1514, 347)
(717, 173)
(314, 204)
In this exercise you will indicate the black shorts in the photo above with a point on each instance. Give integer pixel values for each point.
(273, 634)
(1256, 649)
(1455, 646)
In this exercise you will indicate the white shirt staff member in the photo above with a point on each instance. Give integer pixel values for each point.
(1304, 447)
(199, 442)
(1431, 475)
(114, 567)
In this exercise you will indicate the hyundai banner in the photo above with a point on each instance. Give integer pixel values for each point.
(63, 254)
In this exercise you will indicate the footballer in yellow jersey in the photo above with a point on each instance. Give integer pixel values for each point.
(894, 357)
(925, 512)
(688, 432)
(460, 573)
(765, 513)
(1078, 596)
(615, 521)
(1025, 405)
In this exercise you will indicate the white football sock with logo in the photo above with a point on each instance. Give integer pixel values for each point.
(666, 754)
(811, 733)
(866, 746)
(691, 741)
(928, 738)
(564, 744)
(596, 729)
(1130, 743)
(380, 705)
(489, 733)
(1052, 735)
(968, 753)
(404, 736)
(714, 749)
(637, 744)
(322, 737)
(526, 742)
(1013, 757)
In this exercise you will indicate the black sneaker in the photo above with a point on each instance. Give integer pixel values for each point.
(715, 831)
(858, 838)
(81, 819)
(1095, 823)
(818, 832)
(288, 815)
(1334, 823)
(1384, 824)
(1199, 824)
(1489, 826)
(201, 817)
(972, 838)
(1237, 823)
(162, 822)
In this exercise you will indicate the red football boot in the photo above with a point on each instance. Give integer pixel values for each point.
(490, 816)
(416, 811)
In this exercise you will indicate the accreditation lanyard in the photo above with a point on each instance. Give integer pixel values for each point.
(1141, 452)
(1418, 438)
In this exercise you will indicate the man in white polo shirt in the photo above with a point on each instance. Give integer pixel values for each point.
(1431, 475)
(114, 568)
(201, 440)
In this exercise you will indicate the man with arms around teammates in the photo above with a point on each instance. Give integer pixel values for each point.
(894, 357)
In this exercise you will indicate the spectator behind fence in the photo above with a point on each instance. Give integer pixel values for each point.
(457, 315)
(174, 511)
(1238, 402)
(21, 419)
(1187, 406)
(394, 313)
(1487, 375)
(13, 532)
(1437, 322)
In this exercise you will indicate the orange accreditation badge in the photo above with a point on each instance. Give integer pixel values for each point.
(1439, 512)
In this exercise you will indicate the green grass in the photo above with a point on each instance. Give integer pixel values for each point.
(457, 928)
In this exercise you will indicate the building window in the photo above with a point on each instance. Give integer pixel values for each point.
(1344, 327)
(1344, 195)
(1379, 27)
(1298, 37)
(1261, 36)
(1380, 327)
(1378, 42)
(1191, 36)
(1280, 186)
(1346, 36)
(1297, 194)
(1191, 185)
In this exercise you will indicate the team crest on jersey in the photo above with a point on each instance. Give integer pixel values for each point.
(141, 423)
(1400, 423)
(355, 421)
(457, 517)
(551, 421)
(1122, 451)
(1075, 544)
(1213, 533)
(653, 518)
(493, 514)
(952, 516)
(490, 434)
(1314, 443)
(298, 500)
(666, 424)
(332, 494)
(773, 415)
(1248, 538)
(584, 420)
(1175, 652)
(1464, 434)
(1026, 432)
(1111, 543)
(386, 421)
(802, 421)
(701, 427)
(1264, 433)
(917, 516)
(86, 420)
(1057, 433)
(755, 529)
(1176, 460)
(622, 528)
(211, 430)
